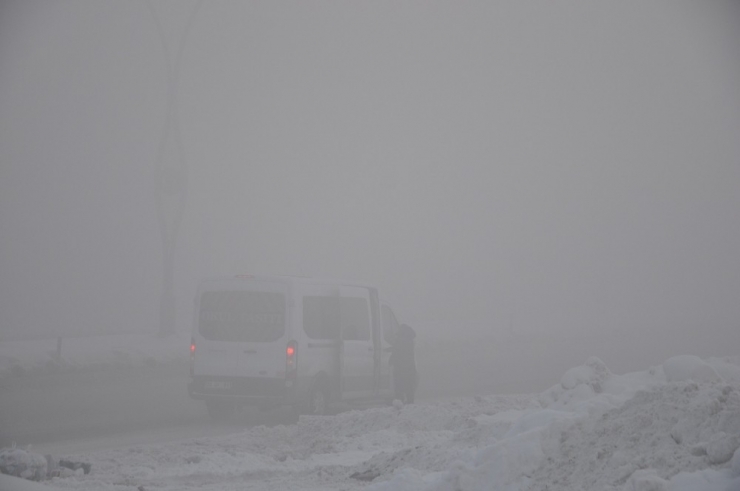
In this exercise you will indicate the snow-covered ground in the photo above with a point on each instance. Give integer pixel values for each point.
(673, 427)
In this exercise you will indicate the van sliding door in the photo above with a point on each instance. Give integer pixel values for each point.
(358, 367)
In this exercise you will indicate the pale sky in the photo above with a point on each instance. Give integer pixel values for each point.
(557, 169)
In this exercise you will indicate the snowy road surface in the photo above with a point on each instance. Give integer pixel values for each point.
(94, 409)
(674, 427)
(88, 403)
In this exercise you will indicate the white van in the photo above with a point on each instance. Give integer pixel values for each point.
(275, 340)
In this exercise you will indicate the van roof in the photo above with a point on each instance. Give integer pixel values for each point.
(283, 279)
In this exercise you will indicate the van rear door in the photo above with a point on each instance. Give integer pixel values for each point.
(242, 326)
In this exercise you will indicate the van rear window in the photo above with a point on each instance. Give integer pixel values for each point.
(325, 317)
(244, 316)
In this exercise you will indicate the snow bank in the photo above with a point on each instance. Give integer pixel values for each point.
(674, 427)
(667, 429)
(10, 483)
(22, 463)
(688, 367)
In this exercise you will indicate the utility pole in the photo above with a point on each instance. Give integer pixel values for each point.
(170, 176)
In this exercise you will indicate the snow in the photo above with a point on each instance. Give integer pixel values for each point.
(673, 427)
(22, 463)
(689, 367)
(10, 483)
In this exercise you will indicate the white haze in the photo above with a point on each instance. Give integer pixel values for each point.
(513, 170)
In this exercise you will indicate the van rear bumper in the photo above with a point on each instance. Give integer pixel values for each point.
(249, 390)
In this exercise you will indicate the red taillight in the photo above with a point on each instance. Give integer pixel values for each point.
(192, 356)
(291, 361)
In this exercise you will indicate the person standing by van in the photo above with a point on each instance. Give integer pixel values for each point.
(404, 364)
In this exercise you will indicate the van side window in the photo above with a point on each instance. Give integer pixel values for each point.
(324, 316)
(321, 317)
(355, 319)
(390, 325)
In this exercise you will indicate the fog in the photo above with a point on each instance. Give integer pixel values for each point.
(529, 172)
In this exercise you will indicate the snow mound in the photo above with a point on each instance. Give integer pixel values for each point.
(17, 484)
(21, 463)
(669, 429)
(674, 427)
(596, 430)
(689, 367)
(585, 388)
(646, 480)
(728, 368)
(593, 374)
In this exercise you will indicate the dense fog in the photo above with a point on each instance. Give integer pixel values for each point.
(555, 176)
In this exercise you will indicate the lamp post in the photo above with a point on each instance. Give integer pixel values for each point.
(170, 177)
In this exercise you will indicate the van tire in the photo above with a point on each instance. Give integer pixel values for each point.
(220, 410)
(318, 400)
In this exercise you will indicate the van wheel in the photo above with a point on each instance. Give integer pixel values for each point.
(318, 401)
(220, 410)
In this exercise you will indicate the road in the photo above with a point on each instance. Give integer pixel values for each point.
(95, 408)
